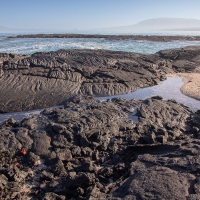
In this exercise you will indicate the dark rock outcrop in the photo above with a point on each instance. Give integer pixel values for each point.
(183, 60)
(41, 80)
(157, 38)
(91, 149)
(47, 79)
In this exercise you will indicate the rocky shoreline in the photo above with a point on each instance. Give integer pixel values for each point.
(92, 149)
(156, 38)
(95, 150)
(42, 80)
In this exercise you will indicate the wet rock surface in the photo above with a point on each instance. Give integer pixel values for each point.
(91, 150)
(29, 82)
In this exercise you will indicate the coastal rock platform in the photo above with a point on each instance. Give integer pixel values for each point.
(44, 80)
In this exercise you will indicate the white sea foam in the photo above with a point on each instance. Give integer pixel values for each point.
(32, 45)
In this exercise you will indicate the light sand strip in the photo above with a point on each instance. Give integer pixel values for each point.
(191, 85)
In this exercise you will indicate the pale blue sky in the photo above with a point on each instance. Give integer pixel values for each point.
(90, 14)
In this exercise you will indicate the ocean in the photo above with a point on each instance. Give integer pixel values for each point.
(33, 45)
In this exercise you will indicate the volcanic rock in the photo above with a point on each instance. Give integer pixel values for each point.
(42, 80)
(91, 149)
(157, 38)
(47, 79)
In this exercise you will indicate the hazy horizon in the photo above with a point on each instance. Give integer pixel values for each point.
(90, 14)
(148, 25)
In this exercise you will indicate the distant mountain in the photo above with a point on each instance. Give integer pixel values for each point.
(168, 24)
(160, 24)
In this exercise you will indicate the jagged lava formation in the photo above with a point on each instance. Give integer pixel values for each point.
(93, 150)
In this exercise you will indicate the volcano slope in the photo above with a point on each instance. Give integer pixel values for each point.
(94, 150)
(41, 80)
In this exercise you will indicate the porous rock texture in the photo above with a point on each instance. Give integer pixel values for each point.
(94, 150)
(185, 59)
(41, 80)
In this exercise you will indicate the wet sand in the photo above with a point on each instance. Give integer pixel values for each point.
(191, 85)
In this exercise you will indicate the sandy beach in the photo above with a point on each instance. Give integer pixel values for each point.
(191, 85)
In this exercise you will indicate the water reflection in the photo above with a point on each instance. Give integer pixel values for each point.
(19, 116)
(133, 115)
(168, 89)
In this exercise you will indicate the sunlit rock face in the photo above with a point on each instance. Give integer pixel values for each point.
(47, 79)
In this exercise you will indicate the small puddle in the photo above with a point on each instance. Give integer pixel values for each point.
(168, 89)
(19, 116)
(133, 115)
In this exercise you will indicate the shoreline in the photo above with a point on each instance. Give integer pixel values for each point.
(47, 79)
(19, 116)
(155, 38)
(91, 149)
(191, 85)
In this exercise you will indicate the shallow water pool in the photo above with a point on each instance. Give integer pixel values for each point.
(168, 89)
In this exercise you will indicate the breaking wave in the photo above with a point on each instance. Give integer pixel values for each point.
(33, 45)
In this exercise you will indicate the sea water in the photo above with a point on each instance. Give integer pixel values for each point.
(33, 45)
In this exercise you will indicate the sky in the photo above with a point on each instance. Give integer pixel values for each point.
(90, 14)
